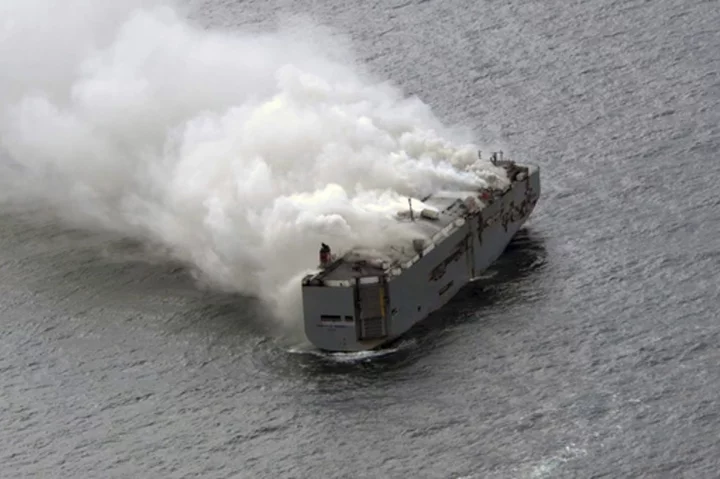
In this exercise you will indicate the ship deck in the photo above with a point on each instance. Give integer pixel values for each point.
(449, 206)
(358, 263)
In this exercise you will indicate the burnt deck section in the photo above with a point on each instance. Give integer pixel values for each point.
(448, 211)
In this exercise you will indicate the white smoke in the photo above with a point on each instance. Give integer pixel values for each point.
(237, 152)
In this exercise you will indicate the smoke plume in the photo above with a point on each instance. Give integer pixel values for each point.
(237, 152)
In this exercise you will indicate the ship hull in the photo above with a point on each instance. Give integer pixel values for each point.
(377, 310)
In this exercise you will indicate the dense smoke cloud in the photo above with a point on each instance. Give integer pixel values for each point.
(237, 152)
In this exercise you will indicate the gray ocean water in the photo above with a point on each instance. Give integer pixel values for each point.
(590, 351)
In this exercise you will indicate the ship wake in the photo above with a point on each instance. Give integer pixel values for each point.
(237, 153)
(357, 356)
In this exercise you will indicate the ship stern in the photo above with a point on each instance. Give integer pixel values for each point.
(349, 317)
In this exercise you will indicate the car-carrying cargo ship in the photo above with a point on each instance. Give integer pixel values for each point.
(358, 302)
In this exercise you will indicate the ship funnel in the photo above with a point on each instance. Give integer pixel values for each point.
(325, 257)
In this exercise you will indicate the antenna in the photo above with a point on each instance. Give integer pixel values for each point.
(412, 217)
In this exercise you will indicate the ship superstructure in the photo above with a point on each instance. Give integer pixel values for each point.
(359, 301)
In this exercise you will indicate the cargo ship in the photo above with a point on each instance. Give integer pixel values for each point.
(358, 302)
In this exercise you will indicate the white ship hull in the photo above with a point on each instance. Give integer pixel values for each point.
(363, 308)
